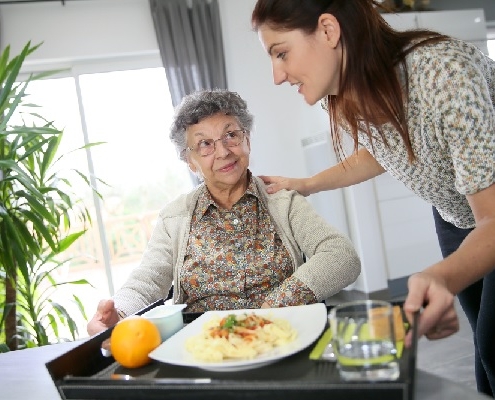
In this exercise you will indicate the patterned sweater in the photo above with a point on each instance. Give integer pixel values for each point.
(451, 121)
(332, 262)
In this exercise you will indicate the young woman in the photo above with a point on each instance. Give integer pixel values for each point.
(420, 106)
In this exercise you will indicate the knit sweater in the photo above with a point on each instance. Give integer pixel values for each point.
(332, 262)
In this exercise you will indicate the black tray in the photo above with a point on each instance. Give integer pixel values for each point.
(84, 373)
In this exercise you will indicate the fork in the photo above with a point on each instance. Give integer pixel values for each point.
(324, 370)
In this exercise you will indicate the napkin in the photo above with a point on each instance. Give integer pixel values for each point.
(320, 345)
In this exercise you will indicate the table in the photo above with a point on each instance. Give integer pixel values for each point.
(23, 375)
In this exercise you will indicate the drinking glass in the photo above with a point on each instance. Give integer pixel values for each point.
(364, 340)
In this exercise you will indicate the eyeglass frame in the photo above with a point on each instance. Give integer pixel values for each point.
(222, 138)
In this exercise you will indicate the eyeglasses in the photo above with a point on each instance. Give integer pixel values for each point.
(206, 147)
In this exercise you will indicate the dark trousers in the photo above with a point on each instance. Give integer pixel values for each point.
(478, 303)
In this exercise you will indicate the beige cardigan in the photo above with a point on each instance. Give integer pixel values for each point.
(332, 262)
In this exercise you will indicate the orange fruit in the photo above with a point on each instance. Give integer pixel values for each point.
(132, 339)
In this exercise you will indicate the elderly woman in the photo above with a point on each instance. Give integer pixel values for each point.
(228, 244)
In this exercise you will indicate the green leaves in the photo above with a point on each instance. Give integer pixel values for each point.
(230, 322)
(37, 207)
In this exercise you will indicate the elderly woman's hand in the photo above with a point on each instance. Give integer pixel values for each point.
(439, 318)
(105, 317)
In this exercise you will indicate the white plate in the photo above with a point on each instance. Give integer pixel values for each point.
(309, 321)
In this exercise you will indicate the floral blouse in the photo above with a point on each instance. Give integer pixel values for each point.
(235, 259)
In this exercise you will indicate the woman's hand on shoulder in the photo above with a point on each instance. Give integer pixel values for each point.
(276, 183)
(106, 316)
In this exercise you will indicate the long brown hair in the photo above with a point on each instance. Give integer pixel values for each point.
(370, 92)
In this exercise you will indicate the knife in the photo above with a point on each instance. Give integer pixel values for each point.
(170, 381)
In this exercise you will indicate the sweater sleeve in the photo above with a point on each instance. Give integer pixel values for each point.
(152, 279)
(331, 263)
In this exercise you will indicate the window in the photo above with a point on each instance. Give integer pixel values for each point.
(131, 111)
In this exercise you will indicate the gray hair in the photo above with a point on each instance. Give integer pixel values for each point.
(202, 104)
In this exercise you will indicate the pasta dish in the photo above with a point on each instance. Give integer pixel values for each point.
(239, 336)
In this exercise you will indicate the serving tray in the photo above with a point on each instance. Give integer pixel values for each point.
(84, 373)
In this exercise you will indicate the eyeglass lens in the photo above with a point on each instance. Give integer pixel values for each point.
(230, 139)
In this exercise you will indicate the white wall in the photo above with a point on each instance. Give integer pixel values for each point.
(88, 29)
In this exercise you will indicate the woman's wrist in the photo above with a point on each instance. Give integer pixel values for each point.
(308, 185)
(315, 184)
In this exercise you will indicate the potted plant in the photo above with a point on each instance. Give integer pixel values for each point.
(37, 208)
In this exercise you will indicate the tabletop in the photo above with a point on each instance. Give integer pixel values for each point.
(23, 375)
